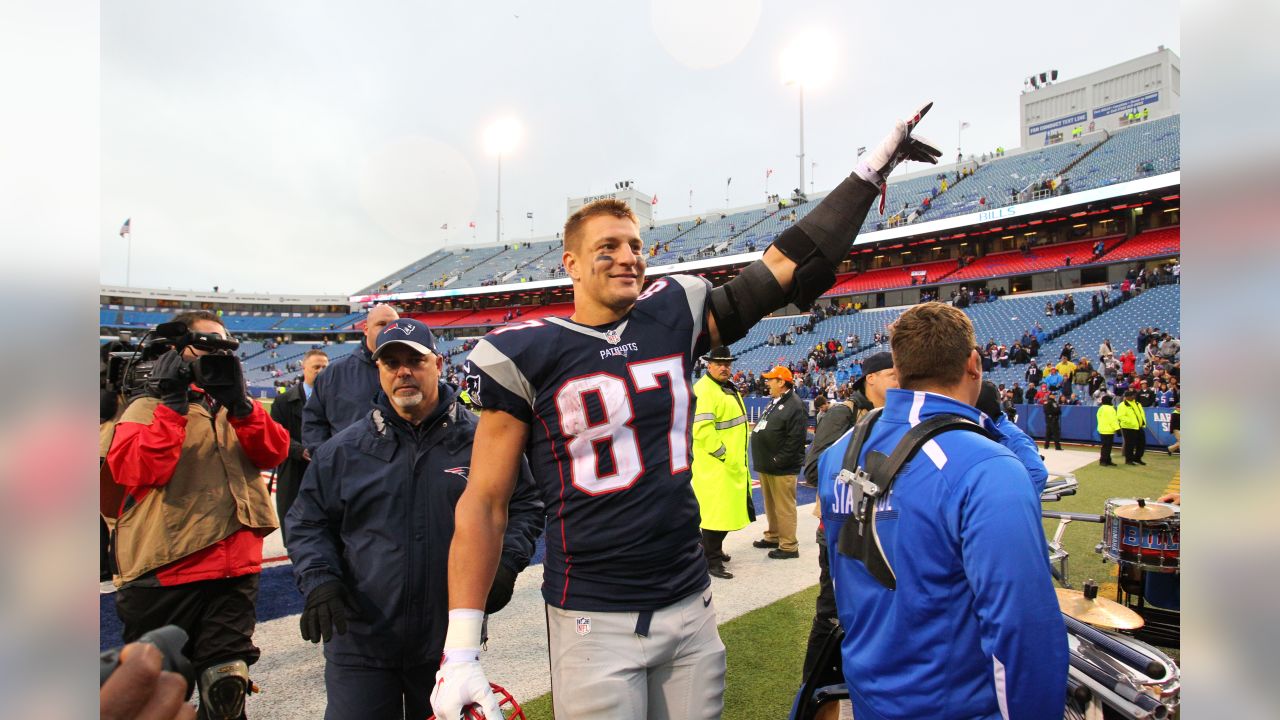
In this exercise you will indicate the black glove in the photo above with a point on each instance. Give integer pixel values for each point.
(500, 593)
(169, 379)
(228, 387)
(326, 611)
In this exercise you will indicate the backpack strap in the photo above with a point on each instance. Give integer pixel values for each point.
(872, 480)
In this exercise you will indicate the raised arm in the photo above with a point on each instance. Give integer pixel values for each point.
(801, 263)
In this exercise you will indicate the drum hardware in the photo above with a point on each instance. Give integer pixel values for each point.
(1058, 556)
(1142, 511)
(1128, 678)
(1087, 607)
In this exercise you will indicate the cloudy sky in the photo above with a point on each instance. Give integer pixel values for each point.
(313, 147)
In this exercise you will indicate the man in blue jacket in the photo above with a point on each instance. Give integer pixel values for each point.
(370, 530)
(344, 391)
(972, 629)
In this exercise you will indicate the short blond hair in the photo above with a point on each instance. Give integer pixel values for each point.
(607, 206)
(931, 343)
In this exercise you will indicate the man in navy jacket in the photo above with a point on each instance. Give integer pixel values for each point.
(370, 530)
(344, 391)
(973, 626)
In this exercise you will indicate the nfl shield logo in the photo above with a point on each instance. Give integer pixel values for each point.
(582, 626)
(613, 337)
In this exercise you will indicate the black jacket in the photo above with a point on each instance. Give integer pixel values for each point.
(376, 512)
(834, 423)
(343, 394)
(1052, 412)
(287, 410)
(777, 442)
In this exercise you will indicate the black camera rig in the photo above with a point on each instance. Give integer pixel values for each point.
(129, 372)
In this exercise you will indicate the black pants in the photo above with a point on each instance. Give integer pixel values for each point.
(1135, 444)
(218, 615)
(1107, 441)
(824, 616)
(366, 693)
(1052, 434)
(286, 492)
(713, 545)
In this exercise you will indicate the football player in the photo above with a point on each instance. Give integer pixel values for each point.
(601, 404)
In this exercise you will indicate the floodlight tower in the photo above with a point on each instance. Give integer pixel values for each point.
(806, 62)
(501, 137)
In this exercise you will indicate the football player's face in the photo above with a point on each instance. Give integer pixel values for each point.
(609, 262)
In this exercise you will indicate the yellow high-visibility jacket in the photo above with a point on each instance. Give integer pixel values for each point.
(1108, 423)
(1132, 416)
(721, 480)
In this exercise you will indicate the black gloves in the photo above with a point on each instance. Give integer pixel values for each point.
(326, 611)
(226, 383)
(500, 593)
(169, 379)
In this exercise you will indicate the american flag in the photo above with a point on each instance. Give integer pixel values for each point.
(124, 229)
(654, 201)
(444, 226)
(768, 172)
(471, 224)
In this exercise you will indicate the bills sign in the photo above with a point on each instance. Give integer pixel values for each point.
(1124, 105)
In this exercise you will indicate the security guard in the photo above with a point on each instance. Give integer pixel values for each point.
(1108, 426)
(721, 480)
(1133, 424)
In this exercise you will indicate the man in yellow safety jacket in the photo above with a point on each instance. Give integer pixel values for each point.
(1108, 425)
(721, 480)
(1133, 424)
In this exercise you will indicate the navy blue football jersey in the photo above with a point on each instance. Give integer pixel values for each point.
(609, 410)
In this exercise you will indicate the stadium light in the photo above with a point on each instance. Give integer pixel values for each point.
(501, 137)
(807, 62)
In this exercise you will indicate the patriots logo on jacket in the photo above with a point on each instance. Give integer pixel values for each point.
(472, 386)
(459, 471)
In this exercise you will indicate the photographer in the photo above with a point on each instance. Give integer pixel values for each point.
(188, 450)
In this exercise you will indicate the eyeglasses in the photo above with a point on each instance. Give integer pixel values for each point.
(415, 363)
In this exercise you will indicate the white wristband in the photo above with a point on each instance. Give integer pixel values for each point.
(463, 635)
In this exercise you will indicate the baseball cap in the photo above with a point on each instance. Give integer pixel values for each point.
(780, 372)
(873, 363)
(406, 331)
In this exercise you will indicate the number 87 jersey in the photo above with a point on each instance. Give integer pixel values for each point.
(609, 411)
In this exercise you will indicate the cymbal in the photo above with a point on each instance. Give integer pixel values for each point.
(1144, 511)
(1098, 611)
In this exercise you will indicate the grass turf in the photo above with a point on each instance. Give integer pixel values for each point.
(766, 646)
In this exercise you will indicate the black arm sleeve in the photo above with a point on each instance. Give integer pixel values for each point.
(817, 244)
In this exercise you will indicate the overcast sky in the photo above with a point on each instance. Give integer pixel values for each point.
(313, 147)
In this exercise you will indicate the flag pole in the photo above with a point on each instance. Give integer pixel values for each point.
(128, 256)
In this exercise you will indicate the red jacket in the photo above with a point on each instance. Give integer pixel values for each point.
(143, 457)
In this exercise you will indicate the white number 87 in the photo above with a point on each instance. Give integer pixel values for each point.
(587, 441)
